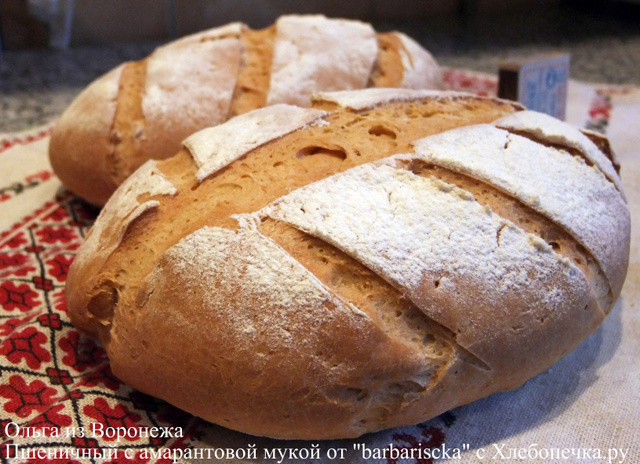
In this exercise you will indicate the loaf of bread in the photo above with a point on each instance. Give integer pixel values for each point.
(143, 110)
(366, 263)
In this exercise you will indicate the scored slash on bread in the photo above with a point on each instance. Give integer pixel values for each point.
(377, 260)
(143, 110)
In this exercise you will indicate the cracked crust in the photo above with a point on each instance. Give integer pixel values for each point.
(335, 279)
(144, 109)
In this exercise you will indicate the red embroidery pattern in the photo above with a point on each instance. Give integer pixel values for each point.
(26, 345)
(25, 398)
(15, 264)
(81, 353)
(599, 112)
(17, 296)
(52, 418)
(8, 141)
(428, 438)
(479, 84)
(51, 376)
(113, 417)
(16, 188)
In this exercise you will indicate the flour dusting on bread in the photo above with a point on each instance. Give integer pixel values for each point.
(404, 226)
(366, 264)
(204, 79)
(214, 148)
(550, 181)
(550, 130)
(124, 208)
(314, 52)
(185, 78)
(250, 267)
(370, 98)
(418, 65)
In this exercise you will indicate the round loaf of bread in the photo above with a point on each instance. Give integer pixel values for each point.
(143, 110)
(369, 262)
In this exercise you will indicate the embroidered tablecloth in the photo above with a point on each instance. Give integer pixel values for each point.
(59, 401)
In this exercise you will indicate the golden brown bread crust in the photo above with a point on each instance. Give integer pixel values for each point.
(204, 79)
(87, 163)
(252, 86)
(218, 296)
(388, 69)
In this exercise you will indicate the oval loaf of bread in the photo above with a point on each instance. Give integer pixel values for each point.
(143, 110)
(369, 262)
